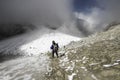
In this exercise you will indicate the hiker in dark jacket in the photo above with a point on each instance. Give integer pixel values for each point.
(54, 48)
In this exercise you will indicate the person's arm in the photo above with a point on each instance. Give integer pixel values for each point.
(57, 46)
(51, 47)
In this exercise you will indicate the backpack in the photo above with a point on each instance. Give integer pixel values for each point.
(55, 47)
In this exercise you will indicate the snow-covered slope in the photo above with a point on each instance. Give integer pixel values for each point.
(43, 43)
(32, 67)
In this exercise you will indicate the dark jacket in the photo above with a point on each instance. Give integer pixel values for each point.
(54, 47)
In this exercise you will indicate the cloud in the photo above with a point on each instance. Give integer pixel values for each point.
(111, 11)
(84, 5)
(91, 18)
(98, 18)
(51, 12)
(56, 13)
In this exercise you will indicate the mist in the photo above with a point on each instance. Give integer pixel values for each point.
(38, 12)
(57, 15)
(100, 17)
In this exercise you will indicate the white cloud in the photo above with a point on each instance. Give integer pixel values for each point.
(92, 18)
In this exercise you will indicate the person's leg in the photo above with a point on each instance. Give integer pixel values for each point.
(52, 53)
(56, 53)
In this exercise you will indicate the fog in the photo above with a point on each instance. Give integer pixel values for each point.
(100, 17)
(58, 15)
(40, 12)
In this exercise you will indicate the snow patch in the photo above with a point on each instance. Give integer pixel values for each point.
(107, 65)
(94, 77)
(71, 67)
(70, 77)
(84, 68)
(115, 64)
(93, 64)
(25, 67)
(110, 65)
(43, 44)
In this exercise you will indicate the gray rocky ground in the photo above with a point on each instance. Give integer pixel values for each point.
(96, 57)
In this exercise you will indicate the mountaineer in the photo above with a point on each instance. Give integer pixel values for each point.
(54, 47)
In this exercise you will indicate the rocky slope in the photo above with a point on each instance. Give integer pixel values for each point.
(11, 30)
(96, 57)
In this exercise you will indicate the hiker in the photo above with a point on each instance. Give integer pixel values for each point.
(54, 48)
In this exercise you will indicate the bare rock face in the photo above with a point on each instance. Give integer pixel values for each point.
(111, 26)
(96, 57)
(10, 30)
(102, 50)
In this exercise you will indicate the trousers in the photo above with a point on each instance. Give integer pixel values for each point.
(53, 52)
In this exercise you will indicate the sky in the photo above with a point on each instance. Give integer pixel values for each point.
(84, 5)
(74, 17)
(97, 13)
(26, 10)
(55, 13)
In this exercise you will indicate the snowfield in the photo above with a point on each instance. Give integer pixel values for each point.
(35, 64)
(42, 44)
(24, 68)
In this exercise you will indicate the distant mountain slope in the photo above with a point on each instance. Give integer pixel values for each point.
(96, 57)
(10, 30)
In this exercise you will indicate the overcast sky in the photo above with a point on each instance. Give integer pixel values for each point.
(57, 12)
(98, 13)
(34, 11)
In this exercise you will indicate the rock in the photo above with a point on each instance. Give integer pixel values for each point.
(107, 73)
(59, 73)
